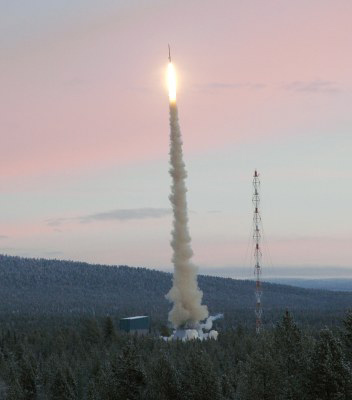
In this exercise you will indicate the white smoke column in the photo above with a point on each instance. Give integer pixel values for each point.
(185, 294)
(209, 322)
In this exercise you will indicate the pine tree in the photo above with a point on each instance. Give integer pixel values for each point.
(260, 375)
(126, 377)
(328, 375)
(228, 391)
(348, 336)
(290, 357)
(14, 390)
(27, 378)
(64, 385)
(164, 380)
(90, 332)
(108, 329)
(200, 380)
(94, 391)
(96, 383)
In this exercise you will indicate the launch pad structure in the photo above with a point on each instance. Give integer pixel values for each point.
(257, 251)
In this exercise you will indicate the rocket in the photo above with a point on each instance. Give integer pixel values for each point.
(169, 54)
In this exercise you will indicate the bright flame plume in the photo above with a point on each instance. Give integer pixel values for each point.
(171, 78)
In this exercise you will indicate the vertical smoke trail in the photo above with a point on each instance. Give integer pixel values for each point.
(185, 294)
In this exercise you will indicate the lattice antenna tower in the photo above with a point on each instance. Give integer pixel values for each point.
(257, 252)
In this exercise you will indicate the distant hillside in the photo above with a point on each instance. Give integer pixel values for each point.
(326, 283)
(52, 287)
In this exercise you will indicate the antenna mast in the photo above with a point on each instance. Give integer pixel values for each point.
(257, 252)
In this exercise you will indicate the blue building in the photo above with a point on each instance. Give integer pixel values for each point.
(139, 325)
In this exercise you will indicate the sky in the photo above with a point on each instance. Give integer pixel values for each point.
(85, 137)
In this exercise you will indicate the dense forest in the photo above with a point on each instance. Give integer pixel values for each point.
(92, 361)
(59, 338)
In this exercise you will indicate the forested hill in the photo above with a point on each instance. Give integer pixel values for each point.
(52, 287)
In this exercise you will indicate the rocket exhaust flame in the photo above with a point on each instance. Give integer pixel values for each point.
(171, 77)
(187, 310)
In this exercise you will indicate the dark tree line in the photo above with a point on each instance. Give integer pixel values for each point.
(91, 360)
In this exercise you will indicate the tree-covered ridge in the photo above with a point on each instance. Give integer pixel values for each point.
(53, 287)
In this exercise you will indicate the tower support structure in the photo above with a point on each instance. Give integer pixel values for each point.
(257, 251)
